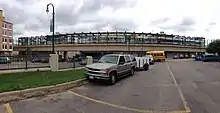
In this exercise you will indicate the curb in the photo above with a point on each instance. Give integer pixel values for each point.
(68, 69)
(23, 70)
(35, 69)
(40, 91)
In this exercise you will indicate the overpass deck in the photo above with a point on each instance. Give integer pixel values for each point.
(112, 47)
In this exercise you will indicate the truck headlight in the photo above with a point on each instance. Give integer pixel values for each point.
(86, 69)
(105, 71)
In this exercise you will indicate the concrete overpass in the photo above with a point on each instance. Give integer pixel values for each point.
(112, 47)
(68, 50)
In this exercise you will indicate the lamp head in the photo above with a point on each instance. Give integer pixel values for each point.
(47, 10)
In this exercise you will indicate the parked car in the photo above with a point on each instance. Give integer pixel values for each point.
(82, 62)
(175, 56)
(36, 60)
(40, 60)
(193, 56)
(5, 60)
(45, 60)
(69, 59)
(151, 59)
(181, 56)
(62, 60)
(211, 58)
(198, 57)
(186, 56)
(110, 67)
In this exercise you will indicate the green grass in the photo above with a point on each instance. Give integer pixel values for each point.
(18, 81)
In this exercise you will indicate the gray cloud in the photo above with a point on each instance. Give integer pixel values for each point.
(25, 1)
(187, 22)
(159, 21)
(66, 16)
(212, 23)
(185, 25)
(95, 5)
(210, 26)
(14, 13)
(124, 25)
(102, 24)
(19, 31)
(33, 26)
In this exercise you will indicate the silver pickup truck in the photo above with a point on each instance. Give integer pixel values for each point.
(110, 67)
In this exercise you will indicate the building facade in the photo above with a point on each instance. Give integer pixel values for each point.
(6, 35)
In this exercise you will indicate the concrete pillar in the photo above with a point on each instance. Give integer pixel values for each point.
(65, 54)
(89, 60)
(54, 64)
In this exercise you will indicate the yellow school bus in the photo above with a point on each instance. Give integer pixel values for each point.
(158, 55)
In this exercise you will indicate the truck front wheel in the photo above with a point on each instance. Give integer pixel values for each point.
(112, 78)
(132, 71)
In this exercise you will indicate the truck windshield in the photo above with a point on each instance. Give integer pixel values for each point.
(109, 59)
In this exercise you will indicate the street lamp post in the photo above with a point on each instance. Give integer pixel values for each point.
(53, 14)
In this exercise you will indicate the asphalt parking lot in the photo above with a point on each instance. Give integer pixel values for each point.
(176, 86)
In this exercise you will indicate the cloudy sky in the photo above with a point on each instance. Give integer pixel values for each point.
(182, 17)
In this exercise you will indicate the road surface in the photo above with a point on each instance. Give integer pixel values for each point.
(176, 86)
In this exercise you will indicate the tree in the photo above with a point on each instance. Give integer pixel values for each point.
(214, 47)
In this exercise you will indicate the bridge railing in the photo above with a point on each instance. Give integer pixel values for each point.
(114, 38)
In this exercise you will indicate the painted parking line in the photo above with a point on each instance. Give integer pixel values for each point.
(123, 107)
(179, 90)
(8, 108)
(112, 105)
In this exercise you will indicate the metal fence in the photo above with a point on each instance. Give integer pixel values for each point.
(23, 62)
(31, 61)
(65, 63)
(74, 62)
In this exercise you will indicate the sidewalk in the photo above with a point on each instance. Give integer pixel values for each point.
(34, 69)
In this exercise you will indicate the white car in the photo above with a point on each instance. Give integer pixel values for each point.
(192, 56)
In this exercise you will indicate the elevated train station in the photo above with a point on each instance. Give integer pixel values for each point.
(97, 43)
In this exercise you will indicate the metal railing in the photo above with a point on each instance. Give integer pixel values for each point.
(23, 62)
(113, 38)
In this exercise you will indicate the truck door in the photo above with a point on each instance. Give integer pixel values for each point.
(121, 66)
(128, 63)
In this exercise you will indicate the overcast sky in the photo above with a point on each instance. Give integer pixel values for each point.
(182, 17)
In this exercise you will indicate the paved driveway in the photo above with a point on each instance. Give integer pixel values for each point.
(177, 86)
